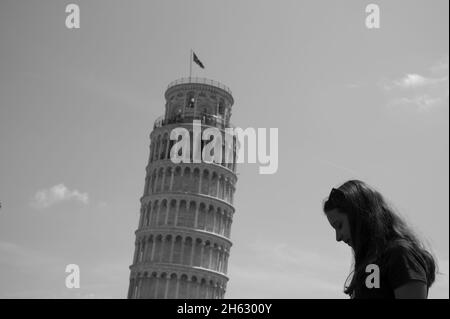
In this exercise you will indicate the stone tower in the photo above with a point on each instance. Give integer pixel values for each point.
(183, 238)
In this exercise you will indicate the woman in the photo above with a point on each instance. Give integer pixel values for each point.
(380, 238)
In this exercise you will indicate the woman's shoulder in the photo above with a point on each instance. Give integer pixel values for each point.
(400, 250)
(402, 263)
(399, 246)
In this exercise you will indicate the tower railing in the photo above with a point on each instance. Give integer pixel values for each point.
(200, 81)
(204, 118)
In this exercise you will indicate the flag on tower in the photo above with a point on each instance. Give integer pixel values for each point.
(197, 60)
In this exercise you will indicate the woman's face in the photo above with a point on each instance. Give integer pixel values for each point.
(341, 225)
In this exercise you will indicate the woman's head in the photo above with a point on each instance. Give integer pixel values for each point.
(363, 219)
(365, 211)
(341, 224)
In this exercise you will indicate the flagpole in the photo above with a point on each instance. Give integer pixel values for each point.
(190, 66)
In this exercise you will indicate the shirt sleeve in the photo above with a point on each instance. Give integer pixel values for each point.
(405, 265)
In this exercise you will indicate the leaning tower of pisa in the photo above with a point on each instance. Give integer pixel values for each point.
(183, 238)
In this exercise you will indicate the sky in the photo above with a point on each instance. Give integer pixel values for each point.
(77, 107)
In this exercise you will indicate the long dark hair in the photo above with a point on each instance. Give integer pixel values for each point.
(373, 226)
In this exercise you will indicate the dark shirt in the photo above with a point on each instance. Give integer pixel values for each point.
(398, 265)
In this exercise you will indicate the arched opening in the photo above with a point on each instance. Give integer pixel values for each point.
(182, 214)
(167, 177)
(186, 179)
(176, 257)
(190, 100)
(218, 227)
(198, 252)
(158, 248)
(205, 182)
(158, 145)
(210, 219)
(154, 215)
(183, 289)
(152, 288)
(148, 216)
(201, 222)
(162, 213)
(193, 289)
(196, 180)
(164, 146)
(177, 186)
(172, 212)
(172, 286)
(166, 249)
(160, 180)
(187, 251)
(213, 188)
(148, 255)
(206, 254)
(153, 181)
(161, 286)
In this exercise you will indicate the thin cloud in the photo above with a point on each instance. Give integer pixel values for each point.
(422, 93)
(56, 194)
(423, 103)
(413, 80)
